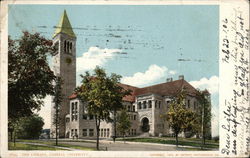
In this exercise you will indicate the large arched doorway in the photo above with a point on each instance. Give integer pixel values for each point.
(145, 125)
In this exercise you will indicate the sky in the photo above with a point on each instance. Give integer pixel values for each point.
(144, 43)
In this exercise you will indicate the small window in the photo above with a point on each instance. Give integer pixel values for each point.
(159, 104)
(84, 116)
(72, 107)
(128, 108)
(149, 104)
(144, 104)
(108, 132)
(139, 105)
(91, 117)
(91, 132)
(76, 106)
(84, 132)
(102, 132)
(72, 132)
(134, 108)
(156, 104)
(104, 135)
(188, 104)
(134, 117)
(75, 132)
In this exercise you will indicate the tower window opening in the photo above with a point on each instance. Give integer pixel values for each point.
(70, 46)
(67, 46)
(65, 43)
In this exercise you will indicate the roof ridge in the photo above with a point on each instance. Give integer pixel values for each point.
(128, 85)
(162, 83)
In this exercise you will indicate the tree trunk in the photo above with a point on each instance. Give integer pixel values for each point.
(176, 138)
(114, 126)
(202, 129)
(124, 138)
(14, 138)
(56, 127)
(11, 135)
(97, 122)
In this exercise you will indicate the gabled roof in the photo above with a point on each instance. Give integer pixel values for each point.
(167, 89)
(129, 98)
(64, 26)
(164, 89)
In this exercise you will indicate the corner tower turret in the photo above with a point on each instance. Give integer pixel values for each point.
(64, 65)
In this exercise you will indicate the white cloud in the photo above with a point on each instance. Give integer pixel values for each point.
(151, 75)
(211, 84)
(95, 57)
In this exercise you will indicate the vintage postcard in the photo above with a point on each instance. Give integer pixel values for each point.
(125, 79)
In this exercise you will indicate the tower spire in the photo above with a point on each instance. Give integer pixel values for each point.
(64, 26)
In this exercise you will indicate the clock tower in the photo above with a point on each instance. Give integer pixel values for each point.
(64, 65)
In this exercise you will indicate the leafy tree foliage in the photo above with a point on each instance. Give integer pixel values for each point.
(124, 123)
(102, 94)
(179, 117)
(29, 75)
(57, 99)
(30, 127)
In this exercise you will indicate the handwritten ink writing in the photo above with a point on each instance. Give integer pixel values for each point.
(234, 56)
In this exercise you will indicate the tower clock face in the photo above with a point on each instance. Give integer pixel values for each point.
(68, 60)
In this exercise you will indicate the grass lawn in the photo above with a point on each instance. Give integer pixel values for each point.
(47, 142)
(20, 146)
(76, 147)
(170, 140)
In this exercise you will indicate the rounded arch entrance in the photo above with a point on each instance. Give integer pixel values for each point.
(145, 124)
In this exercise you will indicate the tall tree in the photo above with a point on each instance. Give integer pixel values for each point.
(124, 123)
(179, 117)
(57, 99)
(29, 75)
(116, 99)
(101, 96)
(204, 119)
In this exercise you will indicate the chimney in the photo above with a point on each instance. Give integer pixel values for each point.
(169, 79)
(181, 77)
